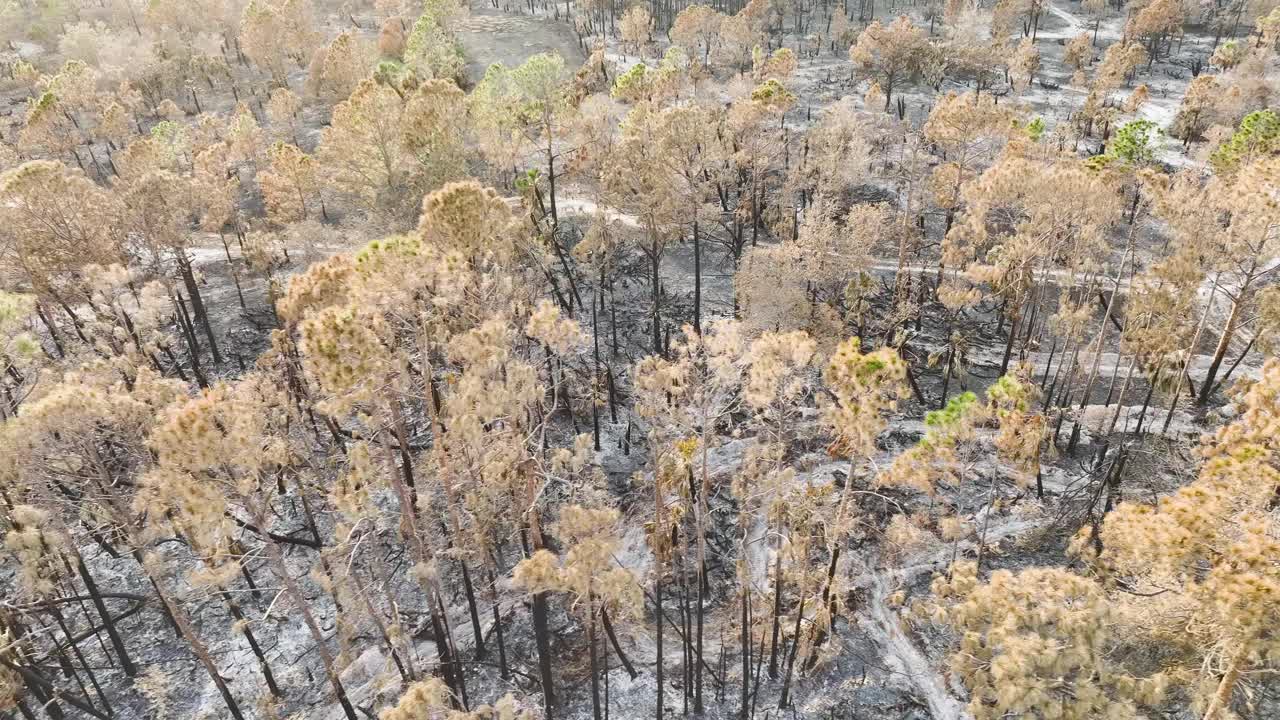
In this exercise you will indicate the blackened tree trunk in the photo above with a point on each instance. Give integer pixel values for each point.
(1014, 324)
(541, 632)
(403, 665)
(197, 306)
(697, 280)
(1146, 401)
(459, 677)
(551, 175)
(503, 672)
(444, 658)
(126, 663)
(53, 331)
(617, 648)
(777, 615)
(697, 670)
(542, 637)
(821, 639)
(595, 377)
(243, 623)
(785, 698)
(657, 594)
(1220, 352)
(1235, 364)
(686, 630)
(84, 663)
(473, 609)
(595, 670)
(1185, 372)
(198, 648)
(301, 605)
(655, 260)
(744, 712)
(946, 377)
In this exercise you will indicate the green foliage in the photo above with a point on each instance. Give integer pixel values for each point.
(772, 94)
(1009, 393)
(171, 141)
(168, 132)
(1035, 129)
(488, 93)
(538, 86)
(674, 59)
(528, 180)
(955, 411)
(641, 82)
(442, 12)
(1132, 146)
(432, 51)
(530, 95)
(396, 75)
(25, 346)
(43, 104)
(378, 254)
(22, 68)
(14, 309)
(423, 31)
(870, 367)
(1259, 134)
(858, 288)
(631, 84)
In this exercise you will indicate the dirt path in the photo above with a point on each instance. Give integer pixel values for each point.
(906, 658)
(488, 36)
(583, 206)
(887, 628)
(1074, 26)
(1109, 29)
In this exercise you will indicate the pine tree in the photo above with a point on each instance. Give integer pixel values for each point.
(341, 66)
(385, 148)
(1231, 220)
(1206, 546)
(1035, 644)
(696, 29)
(636, 29)
(587, 573)
(888, 54)
(275, 34)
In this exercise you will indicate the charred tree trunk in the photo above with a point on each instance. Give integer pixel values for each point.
(473, 609)
(542, 638)
(503, 672)
(303, 608)
(197, 306)
(113, 633)
(617, 648)
(595, 670)
(658, 672)
(1220, 352)
(777, 612)
(656, 280)
(697, 278)
(744, 712)
(199, 649)
(785, 699)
